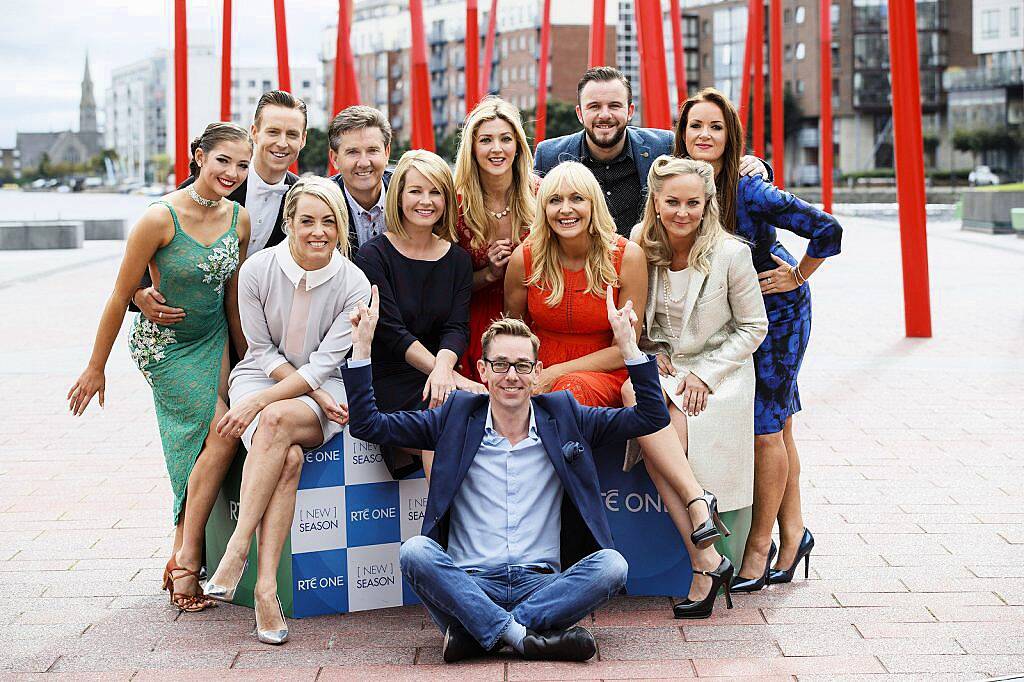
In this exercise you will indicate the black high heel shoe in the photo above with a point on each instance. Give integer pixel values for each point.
(803, 552)
(720, 577)
(754, 584)
(712, 529)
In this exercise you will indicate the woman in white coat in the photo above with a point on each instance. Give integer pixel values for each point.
(704, 318)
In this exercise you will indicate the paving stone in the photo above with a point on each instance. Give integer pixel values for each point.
(456, 672)
(746, 666)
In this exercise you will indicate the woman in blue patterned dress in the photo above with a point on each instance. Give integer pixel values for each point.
(710, 130)
(192, 242)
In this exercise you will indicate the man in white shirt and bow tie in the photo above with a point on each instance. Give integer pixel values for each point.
(279, 134)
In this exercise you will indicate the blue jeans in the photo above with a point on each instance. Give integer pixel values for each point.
(485, 602)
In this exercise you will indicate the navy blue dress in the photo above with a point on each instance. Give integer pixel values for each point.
(760, 208)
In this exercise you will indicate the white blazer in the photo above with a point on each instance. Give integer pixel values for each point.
(723, 323)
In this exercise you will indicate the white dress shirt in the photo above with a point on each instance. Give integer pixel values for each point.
(263, 202)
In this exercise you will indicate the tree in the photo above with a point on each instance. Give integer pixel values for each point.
(448, 146)
(561, 120)
(44, 169)
(981, 140)
(313, 157)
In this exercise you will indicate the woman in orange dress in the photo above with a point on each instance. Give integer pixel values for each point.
(556, 281)
(496, 187)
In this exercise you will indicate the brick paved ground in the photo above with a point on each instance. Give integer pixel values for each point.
(913, 487)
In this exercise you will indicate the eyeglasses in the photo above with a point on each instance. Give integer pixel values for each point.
(502, 366)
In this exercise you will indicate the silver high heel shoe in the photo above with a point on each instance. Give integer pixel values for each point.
(223, 592)
(272, 636)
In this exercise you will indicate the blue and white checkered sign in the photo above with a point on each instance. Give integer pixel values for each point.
(350, 519)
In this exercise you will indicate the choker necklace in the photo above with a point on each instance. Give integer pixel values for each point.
(500, 214)
(202, 201)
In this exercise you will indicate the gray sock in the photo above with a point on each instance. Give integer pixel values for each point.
(513, 635)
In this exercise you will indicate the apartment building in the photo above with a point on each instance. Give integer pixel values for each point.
(381, 46)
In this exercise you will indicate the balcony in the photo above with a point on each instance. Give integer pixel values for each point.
(438, 64)
(807, 137)
(982, 78)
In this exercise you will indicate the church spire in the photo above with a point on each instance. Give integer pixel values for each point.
(87, 106)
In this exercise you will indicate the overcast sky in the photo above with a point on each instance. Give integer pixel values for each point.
(42, 52)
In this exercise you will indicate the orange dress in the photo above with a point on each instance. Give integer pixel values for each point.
(577, 326)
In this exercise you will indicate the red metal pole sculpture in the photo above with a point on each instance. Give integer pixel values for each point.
(906, 120)
(346, 82)
(542, 74)
(757, 64)
(597, 34)
(225, 64)
(284, 79)
(651, 43)
(492, 27)
(745, 78)
(778, 95)
(422, 118)
(472, 55)
(678, 53)
(181, 150)
(825, 143)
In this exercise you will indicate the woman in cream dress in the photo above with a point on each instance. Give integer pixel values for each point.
(704, 318)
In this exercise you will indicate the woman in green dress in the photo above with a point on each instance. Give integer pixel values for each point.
(192, 241)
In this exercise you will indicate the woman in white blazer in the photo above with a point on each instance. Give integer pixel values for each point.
(704, 318)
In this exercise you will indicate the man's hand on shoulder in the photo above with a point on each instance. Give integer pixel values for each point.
(364, 323)
(623, 323)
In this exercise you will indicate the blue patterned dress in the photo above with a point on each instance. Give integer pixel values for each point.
(760, 208)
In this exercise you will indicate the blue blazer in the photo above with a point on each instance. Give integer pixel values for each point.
(647, 145)
(353, 236)
(454, 432)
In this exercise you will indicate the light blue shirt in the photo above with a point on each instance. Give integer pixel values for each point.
(370, 223)
(508, 509)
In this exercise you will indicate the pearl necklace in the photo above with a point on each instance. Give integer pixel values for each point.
(667, 287)
(202, 201)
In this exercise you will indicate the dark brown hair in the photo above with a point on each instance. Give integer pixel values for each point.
(214, 134)
(279, 98)
(357, 117)
(602, 74)
(727, 179)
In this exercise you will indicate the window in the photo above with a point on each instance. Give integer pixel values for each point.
(990, 24)
(787, 16)
(787, 52)
(1014, 21)
(707, 27)
(252, 84)
(306, 84)
(801, 51)
(800, 14)
(266, 85)
(799, 87)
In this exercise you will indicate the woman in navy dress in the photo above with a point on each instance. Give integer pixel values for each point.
(710, 130)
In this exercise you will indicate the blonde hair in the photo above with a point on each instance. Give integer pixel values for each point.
(508, 326)
(327, 192)
(546, 267)
(436, 171)
(654, 236)
(467, 172)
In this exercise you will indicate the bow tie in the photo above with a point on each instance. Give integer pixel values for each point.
(273, 190)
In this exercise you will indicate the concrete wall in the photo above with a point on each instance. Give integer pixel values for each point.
(56, 234)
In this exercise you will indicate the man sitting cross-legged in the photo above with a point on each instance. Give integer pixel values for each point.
(515, 547)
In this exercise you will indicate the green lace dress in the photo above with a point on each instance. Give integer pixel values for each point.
(182, 362)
